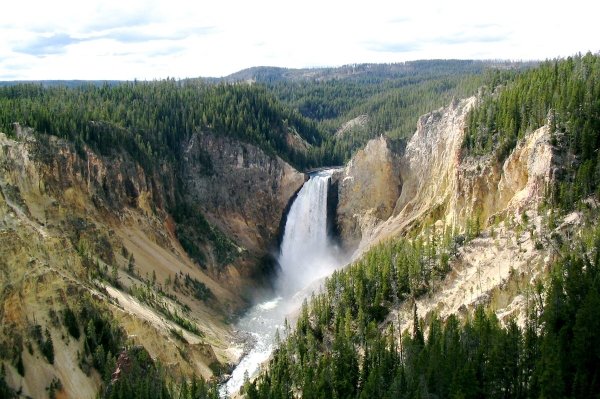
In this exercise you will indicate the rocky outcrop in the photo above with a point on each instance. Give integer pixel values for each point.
(360, 122)
(433, 181)
(432, 156)
(528, 171)
(240, 188)
(48, 165)
(368, 188)
(242, 191)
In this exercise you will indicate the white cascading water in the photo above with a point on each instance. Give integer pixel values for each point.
(306, 255)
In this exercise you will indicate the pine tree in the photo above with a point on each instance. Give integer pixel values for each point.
(48, 347)
(131, 265)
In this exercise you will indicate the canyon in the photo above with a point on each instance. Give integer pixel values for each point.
(59, 208)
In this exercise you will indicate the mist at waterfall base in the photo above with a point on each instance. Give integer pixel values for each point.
(307, 255)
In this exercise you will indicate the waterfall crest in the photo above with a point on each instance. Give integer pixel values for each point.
(306, 252)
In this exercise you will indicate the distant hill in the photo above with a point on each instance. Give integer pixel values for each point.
(369, 72)
(390, 97)
(66, 83)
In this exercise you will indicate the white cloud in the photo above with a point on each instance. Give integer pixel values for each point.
(116, 39)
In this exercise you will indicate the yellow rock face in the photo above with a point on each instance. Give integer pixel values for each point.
(368, 189)
(56, 206)
(383, 194)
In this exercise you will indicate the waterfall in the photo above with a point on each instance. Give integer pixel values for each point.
(306, 255)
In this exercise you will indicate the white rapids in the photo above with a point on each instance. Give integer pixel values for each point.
(306, 255)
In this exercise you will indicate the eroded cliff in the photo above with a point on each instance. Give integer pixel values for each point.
(76, 225)
(241, 190)
(368, 188)
(431, 180)
(431, 187)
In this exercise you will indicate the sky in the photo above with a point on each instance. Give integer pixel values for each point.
(156, 39)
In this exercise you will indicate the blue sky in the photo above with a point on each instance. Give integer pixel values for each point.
(153, 39)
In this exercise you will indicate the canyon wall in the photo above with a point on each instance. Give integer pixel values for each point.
(74, 223)
(386, 192)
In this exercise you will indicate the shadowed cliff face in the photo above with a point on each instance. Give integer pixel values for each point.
(237, 188)
(241, 189)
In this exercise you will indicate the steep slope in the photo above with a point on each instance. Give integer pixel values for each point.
(439, 184)
(77, 226)
(244, 194)
(430, 189)
(368, 189)
(481, 277)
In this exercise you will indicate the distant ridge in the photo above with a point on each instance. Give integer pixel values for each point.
(357, 72)
(66, 83)
(270, 74)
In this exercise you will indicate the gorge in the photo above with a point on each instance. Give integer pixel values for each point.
(307, 254)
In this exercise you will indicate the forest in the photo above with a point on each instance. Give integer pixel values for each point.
(565, 94)
(151, 120)
(393, 96)
(343, 347)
